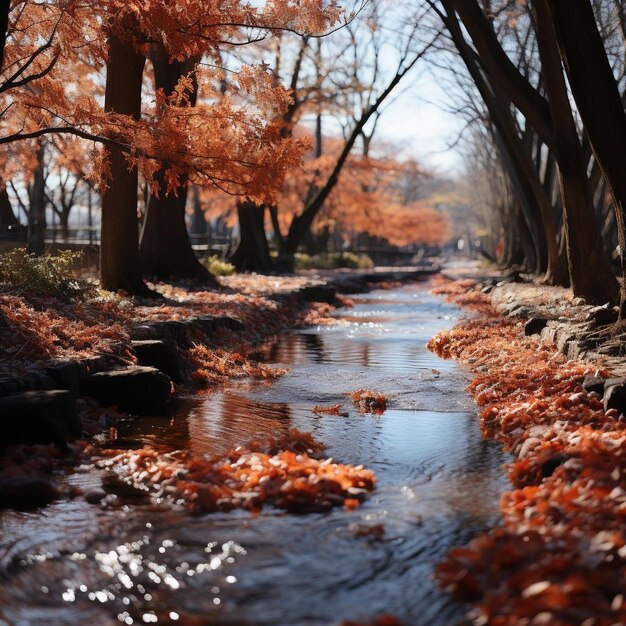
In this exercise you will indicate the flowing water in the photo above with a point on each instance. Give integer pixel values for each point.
(438, 486)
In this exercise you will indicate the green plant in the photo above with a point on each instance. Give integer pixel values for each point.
(44, 275)
(218, 267)
(333, 260)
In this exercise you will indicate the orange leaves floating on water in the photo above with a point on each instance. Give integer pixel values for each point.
(336, 409)
(369, 401)
(559, 557)
(283, 471)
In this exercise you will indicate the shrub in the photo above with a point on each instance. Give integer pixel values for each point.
(333, 260)
(44, 275)
(218, 267)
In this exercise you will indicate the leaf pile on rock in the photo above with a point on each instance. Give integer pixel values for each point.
(38, 328)
(559, 556)
(216, 366)
(285, 471)
(369, 401)
(463, 293)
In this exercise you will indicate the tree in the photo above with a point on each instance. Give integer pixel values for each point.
(595, 90)
(165, 249)
(223, 144)
(119, 255)
(590, 273)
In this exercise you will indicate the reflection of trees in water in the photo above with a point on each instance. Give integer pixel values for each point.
(228, 420)
(293, 349)
(169, 429)
(314, 346)
(473, 492)
(364, 354)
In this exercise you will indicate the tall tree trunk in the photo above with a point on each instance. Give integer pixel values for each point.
(119, 247)
(7, 217)
(37, 208)
(5, 9)
(165, 249)
(64, 219)
(598, 284)
(590, 272)
(596, 94)
(200, 225)
(253, 252)
(534, 201)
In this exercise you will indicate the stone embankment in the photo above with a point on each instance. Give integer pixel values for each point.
(578, 330)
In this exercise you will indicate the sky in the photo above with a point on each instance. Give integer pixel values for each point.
(418, 121)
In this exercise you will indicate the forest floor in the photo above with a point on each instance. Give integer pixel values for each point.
(546, 378)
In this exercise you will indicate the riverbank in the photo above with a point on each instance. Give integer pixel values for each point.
(559, 555)
(70, 370)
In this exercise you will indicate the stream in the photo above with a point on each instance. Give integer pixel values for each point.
(438, 485)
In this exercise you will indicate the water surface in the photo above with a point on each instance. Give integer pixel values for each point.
(438, 486)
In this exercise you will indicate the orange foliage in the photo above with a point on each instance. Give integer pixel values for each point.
(369, 401)
(560, 554)
(38, 329)
(375, 532)
(215, 366)
(228, 141)
(463, 293)
(30, 333)
(329, 410)
(367, 198)
(285, 472)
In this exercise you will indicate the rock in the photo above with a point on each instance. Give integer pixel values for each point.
(563, 337)
(318, 293)
(573, 349)
(30, 381)
(159, 353)
(39, 417)
(142, 331)
(549, 334)
(224, 321)
(594, 384)
(26, 492)
(535, 325)
(174, 330)
(603, 315)
(134, 389)
(350, 286)
(206, 325)
(613, 348)
(94, 496)
(66, 374)
(615, 394)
